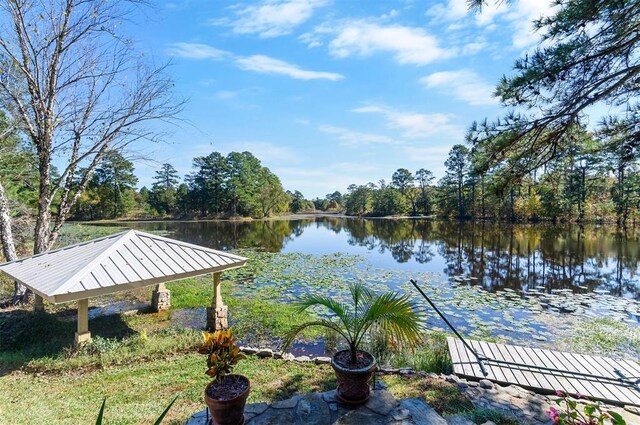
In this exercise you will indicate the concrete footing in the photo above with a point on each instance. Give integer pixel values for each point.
(82, 337)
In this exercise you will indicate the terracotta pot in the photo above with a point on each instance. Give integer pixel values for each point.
(228, 412)
(353, 384)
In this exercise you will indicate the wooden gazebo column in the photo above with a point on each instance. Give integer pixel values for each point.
(217, 313)
(83, 334)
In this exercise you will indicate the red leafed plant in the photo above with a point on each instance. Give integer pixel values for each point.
(222, 353)
(591, 414)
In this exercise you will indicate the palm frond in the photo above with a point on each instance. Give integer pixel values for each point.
(394, 314)
(294, 332)
(342, 310)
(359, 294)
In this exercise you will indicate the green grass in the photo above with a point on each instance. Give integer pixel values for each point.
(138, 393)
(255, 320)
(42, 341)
(432, 356)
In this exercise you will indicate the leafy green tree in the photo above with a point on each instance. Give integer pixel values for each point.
(457, 170)
(321, 204)
(18, 194)
(271, 198)
(335, 199)
(424, 178)
(111, 192)
(243, 168)
(167, 177)
(622, 153)
(359, 199)
(298, 202)
(388, 200)
(237, 184)
(163, 191)
(182, 198)
(403, 181)
(207, 186)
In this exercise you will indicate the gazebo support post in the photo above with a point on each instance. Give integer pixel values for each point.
(38, 303)
(161, 298)
(83, 334)
(217, 313)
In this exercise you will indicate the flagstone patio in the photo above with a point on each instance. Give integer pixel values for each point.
(324, 409)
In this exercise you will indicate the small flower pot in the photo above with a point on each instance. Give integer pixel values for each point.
(228, 411)
(353, 382)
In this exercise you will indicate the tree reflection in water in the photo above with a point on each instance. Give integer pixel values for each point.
(499, 255)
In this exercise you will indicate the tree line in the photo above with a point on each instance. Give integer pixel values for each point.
(219, 186)
(596, 178)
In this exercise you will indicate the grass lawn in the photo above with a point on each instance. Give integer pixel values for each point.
(139, 392)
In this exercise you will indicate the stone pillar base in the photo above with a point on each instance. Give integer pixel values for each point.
(217, 318)
(161, 300)
(83, 337)
(38, 303)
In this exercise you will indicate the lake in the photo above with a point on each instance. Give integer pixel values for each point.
(510, 282)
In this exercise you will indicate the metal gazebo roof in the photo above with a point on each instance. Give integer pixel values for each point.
(126, 260)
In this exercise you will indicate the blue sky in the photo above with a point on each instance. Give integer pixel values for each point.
(328, 93)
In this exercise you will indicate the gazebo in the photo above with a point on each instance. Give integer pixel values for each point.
(119, 262)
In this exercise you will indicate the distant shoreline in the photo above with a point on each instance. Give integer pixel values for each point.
(300, 216)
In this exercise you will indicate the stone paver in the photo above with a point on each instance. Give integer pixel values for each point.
(323, 409)
(525, 406)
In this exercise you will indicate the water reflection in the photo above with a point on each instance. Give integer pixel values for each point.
(500, 256)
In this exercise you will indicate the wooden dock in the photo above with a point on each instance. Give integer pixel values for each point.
(596, 387)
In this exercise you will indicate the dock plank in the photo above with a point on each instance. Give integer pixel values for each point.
(596, 386)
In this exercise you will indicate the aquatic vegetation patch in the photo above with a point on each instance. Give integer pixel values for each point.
(530, 317)
(606, 336)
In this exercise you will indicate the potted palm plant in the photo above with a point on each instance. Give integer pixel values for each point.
(390, 312)
(227, 393)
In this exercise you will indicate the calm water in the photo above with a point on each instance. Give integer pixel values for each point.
(518, 257)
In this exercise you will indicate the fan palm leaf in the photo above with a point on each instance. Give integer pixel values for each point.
(391, 312)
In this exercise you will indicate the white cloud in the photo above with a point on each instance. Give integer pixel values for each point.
(271, 18)
(451, 11)
(491, 10)
(522, 16)
(517, 15)
(464, 85)
(234, 94)
(355, 138)
(195, 51)
(409, 45)
(416, 125)
(256, 63)
(268, 65)
(475, 47)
